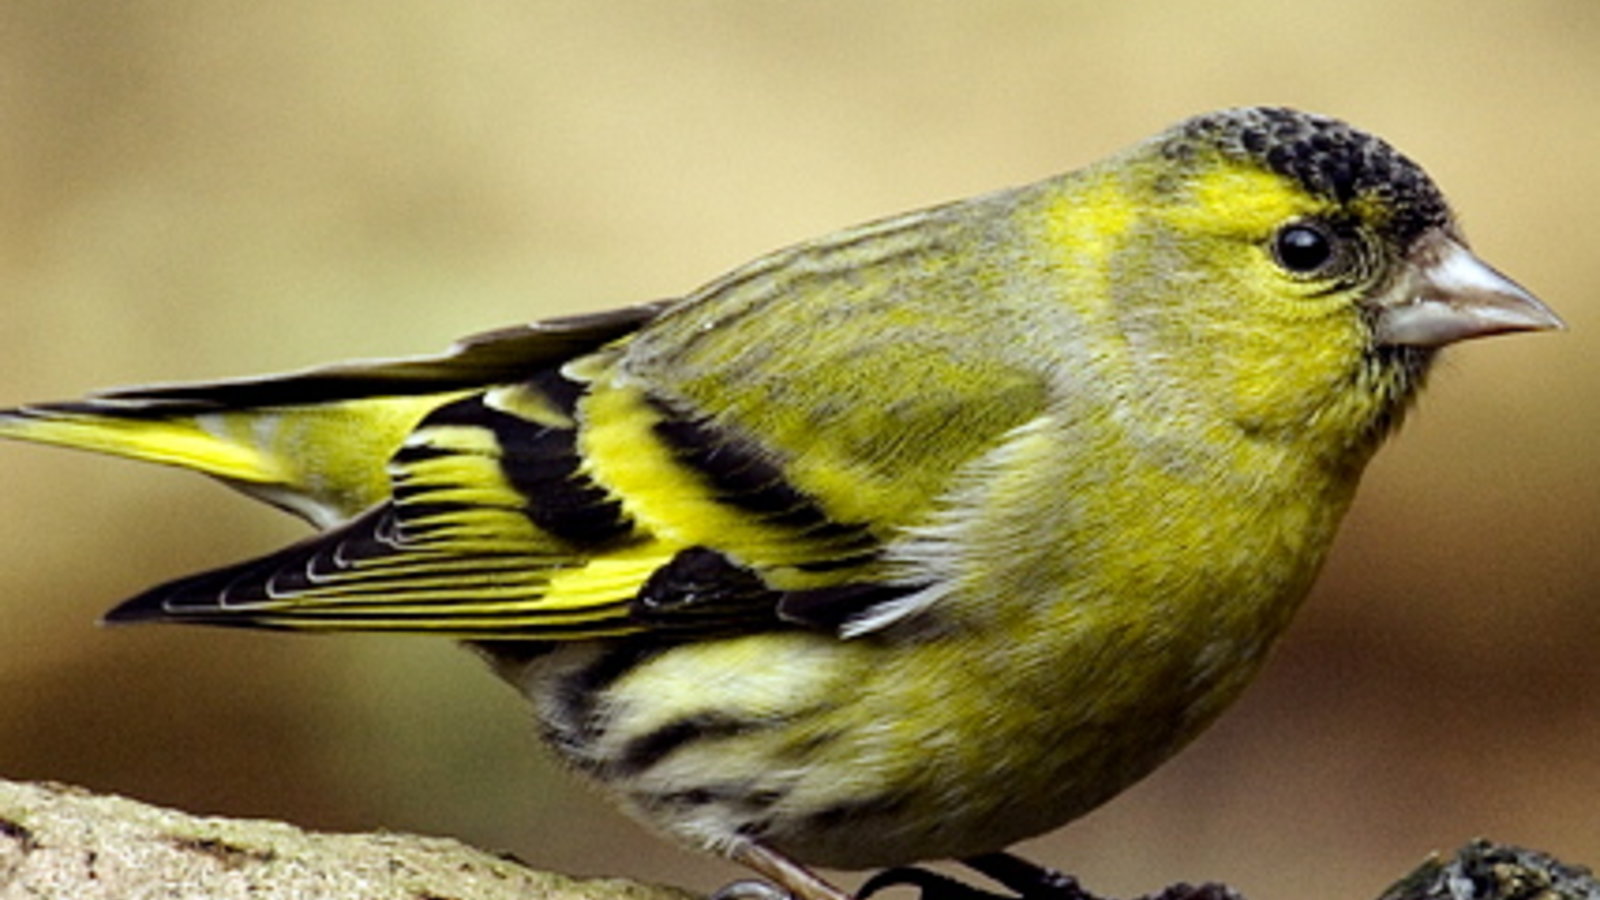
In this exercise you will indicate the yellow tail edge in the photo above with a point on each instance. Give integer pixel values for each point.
(184, 441)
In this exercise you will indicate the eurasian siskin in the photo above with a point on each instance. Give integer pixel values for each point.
(906, 542)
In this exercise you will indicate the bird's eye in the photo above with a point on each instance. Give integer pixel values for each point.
(1303, 248)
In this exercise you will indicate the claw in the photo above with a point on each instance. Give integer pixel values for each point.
(1031, 881)
(1027, 880)
(1208, 891)
(750, 889)
(932, 885)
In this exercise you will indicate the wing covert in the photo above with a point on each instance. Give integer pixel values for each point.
(501, 525)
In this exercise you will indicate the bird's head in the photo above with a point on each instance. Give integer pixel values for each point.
(1298, 272)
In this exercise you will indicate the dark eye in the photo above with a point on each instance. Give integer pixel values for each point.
(1302, 248)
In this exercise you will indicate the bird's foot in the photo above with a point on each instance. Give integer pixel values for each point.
(1026, 880)
(750, 889)
(1208, 891)
(933, 885)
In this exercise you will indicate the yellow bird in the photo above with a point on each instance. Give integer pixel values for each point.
(907, 542)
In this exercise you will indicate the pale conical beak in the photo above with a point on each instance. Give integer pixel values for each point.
(1449, 295)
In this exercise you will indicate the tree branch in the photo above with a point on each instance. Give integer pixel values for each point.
(64, 843)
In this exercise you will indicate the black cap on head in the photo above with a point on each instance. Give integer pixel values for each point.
(1331, 159)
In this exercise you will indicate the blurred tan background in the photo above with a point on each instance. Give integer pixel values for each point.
(199, 189)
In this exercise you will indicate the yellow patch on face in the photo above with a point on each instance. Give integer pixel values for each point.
(1243, 200)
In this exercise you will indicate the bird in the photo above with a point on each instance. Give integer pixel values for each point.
(903, 543)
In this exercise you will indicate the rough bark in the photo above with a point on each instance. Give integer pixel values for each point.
(64, 843)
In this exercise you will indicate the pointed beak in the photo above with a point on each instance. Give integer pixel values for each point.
(1449, 295)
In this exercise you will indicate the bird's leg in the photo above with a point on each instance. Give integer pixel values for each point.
(1027, 880)
(787, 876)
